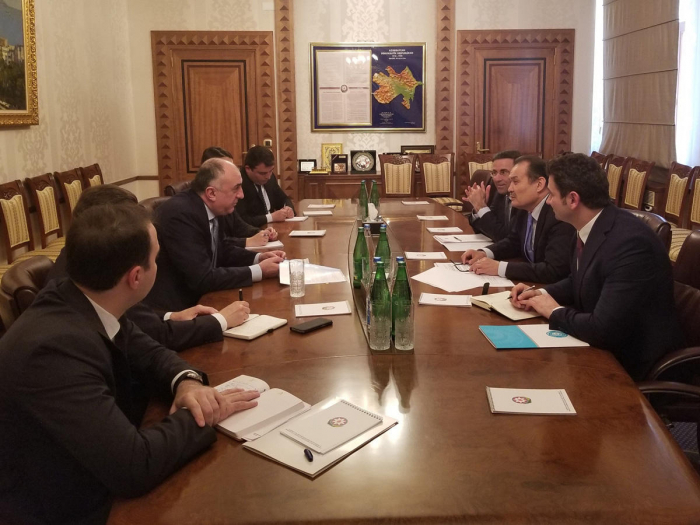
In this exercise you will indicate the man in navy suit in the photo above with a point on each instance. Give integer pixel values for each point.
(619, 295)
(537, 236)
(263, 201)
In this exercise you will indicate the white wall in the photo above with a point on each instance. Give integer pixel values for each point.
(546, 14)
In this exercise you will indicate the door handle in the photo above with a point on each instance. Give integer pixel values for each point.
(479, 149)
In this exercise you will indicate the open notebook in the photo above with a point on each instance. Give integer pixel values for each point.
(255, 326)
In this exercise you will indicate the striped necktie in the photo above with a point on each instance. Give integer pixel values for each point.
(214, 228)
(528, 248)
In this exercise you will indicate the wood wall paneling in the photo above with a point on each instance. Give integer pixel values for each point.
(444, 77)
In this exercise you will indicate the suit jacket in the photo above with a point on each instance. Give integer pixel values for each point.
(185, 269)
(495, 224)
(620, 298)
(252, 207)
(236, 230)
(67, 418)
(552, 248)
(176, 335)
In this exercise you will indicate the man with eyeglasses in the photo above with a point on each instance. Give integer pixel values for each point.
(492, 212)
(263, 200)
(195, 258)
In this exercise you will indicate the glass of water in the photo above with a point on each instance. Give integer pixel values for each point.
(403, 325)
(296, 278)
(380, 325)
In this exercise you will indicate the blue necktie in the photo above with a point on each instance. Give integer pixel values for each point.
(528, 248)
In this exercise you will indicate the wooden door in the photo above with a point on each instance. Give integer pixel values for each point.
(211, 89)
(514, 93)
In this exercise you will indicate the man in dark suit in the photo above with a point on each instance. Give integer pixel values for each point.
(195, 258)
(263, 201)
(492, 213)
(619, 295)
(537, 236)
(68, 417)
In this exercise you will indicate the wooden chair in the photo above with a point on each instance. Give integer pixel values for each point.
(614, 170)
(438, 180)
(398, 175)
(92, 176)
(45, 198)
(635, 177)
(479, 161)
(178, 187)
(601, 158)
(22, 282)
(70, 186)
(690, 215)
(16, 231)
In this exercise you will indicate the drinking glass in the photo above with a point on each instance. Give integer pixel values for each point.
(296, 278)
(403, 326)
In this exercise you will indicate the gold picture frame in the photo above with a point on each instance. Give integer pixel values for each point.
(19, 108)
(328, 149)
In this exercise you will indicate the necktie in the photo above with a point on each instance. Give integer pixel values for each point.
(214, 239)
(579, 250)
(508, 209)
(262, 197)
(528, 248)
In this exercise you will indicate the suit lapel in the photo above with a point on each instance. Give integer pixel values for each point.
(595, 239)
(540, 240)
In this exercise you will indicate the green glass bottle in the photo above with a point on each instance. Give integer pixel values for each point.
(374, 196)
(362, 202)
(380, 311)
(401, 291)
(358, 254)
(383, 249)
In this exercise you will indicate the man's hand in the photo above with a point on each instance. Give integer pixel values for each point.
(270, 267)
(259, 239)
(271, 233)
(272, 253)
(518, 295)
(471, 256)
(484, 266)
(207, 405)
(543, 304)
(282, 214)
(235, 313)
(477, 195)
(191, 313)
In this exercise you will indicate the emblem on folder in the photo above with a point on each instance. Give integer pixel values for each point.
(522, 400)
(556, 333)
(328, 308)
(337, 421)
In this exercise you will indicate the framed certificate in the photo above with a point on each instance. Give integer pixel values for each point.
(306, 165)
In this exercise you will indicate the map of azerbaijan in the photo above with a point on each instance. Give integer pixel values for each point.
(394, 85)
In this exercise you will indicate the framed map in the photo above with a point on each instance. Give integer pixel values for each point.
(367, 87)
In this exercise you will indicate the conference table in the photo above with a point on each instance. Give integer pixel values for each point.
(449, 459)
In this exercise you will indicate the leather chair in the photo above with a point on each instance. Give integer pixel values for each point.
(178, 187)
(23, 282)
(661, 226)
(686, 268)
(152, 203)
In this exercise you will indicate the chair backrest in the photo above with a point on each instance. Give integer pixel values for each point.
(635, 177)
(398, 172)
(437, 173)
(694, 207)
(24, 280)
(614, 170)
(661, 227)
(601, 158)
(480, 176)
(687, 300)
(16, 231)
(70, 186)
(92, 175)
(677, 192)
(45, 198)
(686, 268)
(479, 161)
(178, 187)
(153, 202)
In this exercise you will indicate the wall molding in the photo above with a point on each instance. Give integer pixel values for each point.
(444, 77)
(134, 179)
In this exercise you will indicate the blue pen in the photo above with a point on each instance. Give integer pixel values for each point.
(308, 454)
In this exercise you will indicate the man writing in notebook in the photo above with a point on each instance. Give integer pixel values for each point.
(68, 368)
(492, 213)
(537, 236)
(619, 295)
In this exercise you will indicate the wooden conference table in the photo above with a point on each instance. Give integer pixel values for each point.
(449, 459)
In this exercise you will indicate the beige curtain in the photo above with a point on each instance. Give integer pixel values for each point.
(640, 68)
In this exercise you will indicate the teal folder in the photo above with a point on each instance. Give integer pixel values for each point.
(504, 337)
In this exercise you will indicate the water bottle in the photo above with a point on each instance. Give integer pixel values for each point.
(358, 254)
(383, 249)
(369, 265)
(374, 196)
(362, 212)
(401, 292)
(380, 311)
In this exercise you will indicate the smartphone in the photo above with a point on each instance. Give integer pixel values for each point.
(310, 326)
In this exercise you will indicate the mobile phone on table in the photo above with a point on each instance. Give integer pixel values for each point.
(310, 326)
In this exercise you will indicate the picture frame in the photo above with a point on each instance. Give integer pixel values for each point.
(19, 98)
(339, 163)
(418, 150)
(328, 149)
(363, 162)
(306, 165)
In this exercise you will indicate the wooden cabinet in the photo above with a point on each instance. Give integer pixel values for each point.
(333, 186)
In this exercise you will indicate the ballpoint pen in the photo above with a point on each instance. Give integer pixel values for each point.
(240, 294)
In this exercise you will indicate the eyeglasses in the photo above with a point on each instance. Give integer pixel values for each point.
(460, 267)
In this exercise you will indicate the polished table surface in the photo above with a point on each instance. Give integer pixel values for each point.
(449, 459)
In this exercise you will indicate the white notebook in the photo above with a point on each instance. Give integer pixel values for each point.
(414, 203)
(439, 299)
(500, 302)
(529, 401)
(425, 255)
(275, 407)
(476, 237)
(322, 309)
(307, 233)
(271, 245)
(432, 217)
(331, 427)
(322, 206)
(314, 213)
(255, 326)
(296, 219)
(447, 229)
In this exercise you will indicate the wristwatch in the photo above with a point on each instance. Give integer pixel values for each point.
(189, 374)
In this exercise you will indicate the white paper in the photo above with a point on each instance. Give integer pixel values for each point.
(446, 239)
(296, 219)
(414, 203)
(271, 245)
(321, 206)
(244, 382)
(413, 256)
(455, 281)
(313, 274)
(544, 337)
(464, 246)
(529, 401)
(307, 233)
(432, 217)
(448, 229)
(322, 309)
(317, 213)
(445, 300)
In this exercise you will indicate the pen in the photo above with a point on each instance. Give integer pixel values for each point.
(240, 294)
(456, 238)
(485, 289)
(308, 454)
(528, 289)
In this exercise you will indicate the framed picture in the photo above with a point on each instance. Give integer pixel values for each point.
(328, 149)
(364, 161)
(19, 98)
(417, 150)
(367, 86)
(339, 163)
(306, 165)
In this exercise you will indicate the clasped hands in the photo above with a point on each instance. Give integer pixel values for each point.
(477, 195)
(261, 238)
(282, 214)
(207, 405)
(543, 304)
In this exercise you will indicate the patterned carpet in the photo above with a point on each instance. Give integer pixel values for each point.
(686, 436)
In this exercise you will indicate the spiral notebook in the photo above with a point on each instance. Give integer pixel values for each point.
(331, 427)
